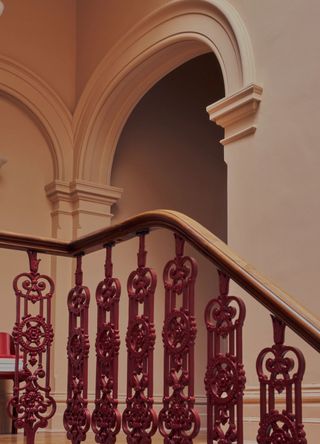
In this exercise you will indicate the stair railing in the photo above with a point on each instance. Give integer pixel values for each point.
(178, 421)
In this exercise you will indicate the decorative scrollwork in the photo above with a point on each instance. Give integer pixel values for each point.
(108, 293)
(176, 274)
(107, 343)
(76, 418)
(140, 284)
(78, 300)
(139, 419)
(106, 418)
(35, 406)
(140, 337)
(280, 368)
(225, 380)
(78, 347)
(179, 331)
(32, 335)
(225, 377)
(179, 422)
(280, 428)
(221, 317)
(33, 286)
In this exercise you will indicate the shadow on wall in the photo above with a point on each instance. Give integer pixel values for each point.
(169, 155)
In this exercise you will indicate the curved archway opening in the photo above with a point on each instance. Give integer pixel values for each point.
(169, 156)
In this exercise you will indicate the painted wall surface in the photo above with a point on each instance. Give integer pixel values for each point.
(41, 36)
(100, 24)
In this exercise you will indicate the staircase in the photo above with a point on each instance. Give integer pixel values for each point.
(280, 367)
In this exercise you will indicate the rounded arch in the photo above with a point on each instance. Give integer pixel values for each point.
(168, 37)
(47, 110)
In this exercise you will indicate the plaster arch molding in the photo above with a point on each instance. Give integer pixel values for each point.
(168, 37)
(47, 110)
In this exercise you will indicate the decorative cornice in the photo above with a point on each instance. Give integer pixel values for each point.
(94, 192)
(236, 113)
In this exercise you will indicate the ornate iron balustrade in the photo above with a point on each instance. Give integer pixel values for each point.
(224, 381)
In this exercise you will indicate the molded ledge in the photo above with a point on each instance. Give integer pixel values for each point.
(236, 113)
(78, 196)
(94, 192)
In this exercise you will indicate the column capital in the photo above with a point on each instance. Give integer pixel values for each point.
(87, 205)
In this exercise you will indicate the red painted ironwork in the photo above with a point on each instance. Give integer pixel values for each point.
(225, 376)
(280, 369)
(32, 335)
(179, 422)
(76, 417)
(139, 419)
(106, 418)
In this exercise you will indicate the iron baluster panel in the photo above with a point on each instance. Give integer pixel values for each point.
(32, 336)
(225, 376)
(280, 369)
(179, 422)
(106, 418)
(139, 419)
(76, 417)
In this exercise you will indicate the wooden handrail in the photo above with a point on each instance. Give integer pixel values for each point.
(265, 292)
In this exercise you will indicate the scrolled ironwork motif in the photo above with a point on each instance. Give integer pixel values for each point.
(33, 286)
(106, 418)
(139, 419)
(179, 422)
(32, 335)
(225, 376)
(280, 369)
(76, 418)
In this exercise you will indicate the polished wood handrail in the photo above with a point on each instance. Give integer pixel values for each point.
(264, 291)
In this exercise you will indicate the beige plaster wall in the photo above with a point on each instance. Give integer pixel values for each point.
(100, 24)
(41, 36)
